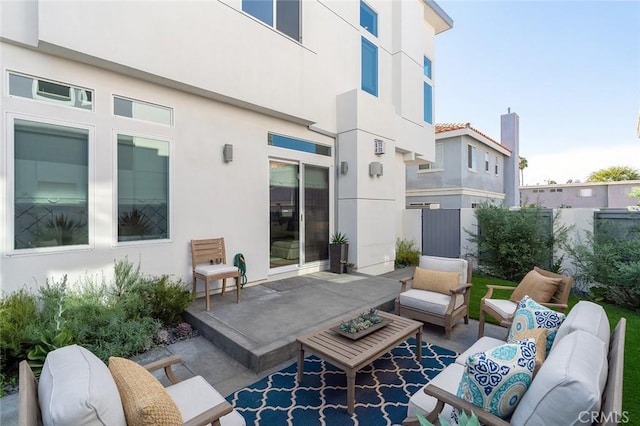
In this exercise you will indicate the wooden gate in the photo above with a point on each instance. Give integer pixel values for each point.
(441, 232)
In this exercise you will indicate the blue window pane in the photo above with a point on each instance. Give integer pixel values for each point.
(288, 17)
(298, 145)
(427, 67)
(368, 19)
(369, 67)
(260, 9)
(428, 103)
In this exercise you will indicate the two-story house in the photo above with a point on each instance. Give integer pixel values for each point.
(470, 168)
(130, 128)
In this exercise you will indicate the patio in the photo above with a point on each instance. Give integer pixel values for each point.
(242, 343)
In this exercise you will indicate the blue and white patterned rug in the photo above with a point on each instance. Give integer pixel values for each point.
(383, 390)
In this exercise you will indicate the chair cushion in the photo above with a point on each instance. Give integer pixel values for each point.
(566, 282)
(76, 388)
(194, 396)
(497, 379)
(144, 399)
(586, 316)
(445, 264)
(530, 315)
(448, 379)
(428, 301)
(221, 268)
(537, 286)
(569, 383)
(540, 338)
(438, 281)
(505, 307)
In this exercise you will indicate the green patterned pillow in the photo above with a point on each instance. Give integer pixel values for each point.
(530, 314)
(497, 379)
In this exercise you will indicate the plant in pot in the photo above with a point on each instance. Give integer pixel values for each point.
(338, 253)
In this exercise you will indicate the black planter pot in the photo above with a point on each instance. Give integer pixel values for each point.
(338, 258)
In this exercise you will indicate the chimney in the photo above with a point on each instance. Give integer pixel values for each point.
(510, 138)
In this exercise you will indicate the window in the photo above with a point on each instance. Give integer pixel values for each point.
(559, 190)
(496, 166)
(286, 12)
(427, 67)
(51, 175)
(471, 157)
(438, 164)
(586, 192)
(486, 162)
(369, 67)
(428, 103)
(49, 91)
(142, 111)
(368, 19)
(143, 188)
(298, 145)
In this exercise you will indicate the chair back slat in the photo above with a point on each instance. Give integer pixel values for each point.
(208, 251)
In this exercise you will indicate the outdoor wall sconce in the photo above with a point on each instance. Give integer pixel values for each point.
(375, 169)
(227, 153)
(344, 167)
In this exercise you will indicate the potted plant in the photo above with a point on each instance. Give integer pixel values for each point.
(338, 253)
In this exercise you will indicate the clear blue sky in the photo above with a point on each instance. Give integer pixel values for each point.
(569, 69)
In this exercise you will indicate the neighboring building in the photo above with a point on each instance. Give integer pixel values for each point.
(469, 168)
(131, 128)
(581, 195)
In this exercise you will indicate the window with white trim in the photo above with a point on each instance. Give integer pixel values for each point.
(496, 166)
(51, 184)
(471, 157)
(50, 91)
(486, 162)
(143, 188)
(283, 15)
(140, 110)
(438, 164)
(369, 67)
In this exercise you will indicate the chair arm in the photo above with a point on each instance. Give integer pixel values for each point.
(460, 290)
(403, 282)
(491, 287)
(165, 363)
(445, 397)
(559, 306)
(211, 416)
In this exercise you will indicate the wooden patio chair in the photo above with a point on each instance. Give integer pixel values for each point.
(503, 309)
(209, 262)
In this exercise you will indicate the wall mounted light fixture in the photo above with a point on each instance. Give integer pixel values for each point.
(227, 153)
(344, 167)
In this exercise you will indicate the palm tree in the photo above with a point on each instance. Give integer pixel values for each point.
(522, 165)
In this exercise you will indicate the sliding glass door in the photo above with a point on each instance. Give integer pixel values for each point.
(298, 213)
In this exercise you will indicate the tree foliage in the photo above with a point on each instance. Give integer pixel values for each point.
(614, 174)
(510, 243)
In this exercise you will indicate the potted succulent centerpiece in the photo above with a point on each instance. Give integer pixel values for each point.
(338, 253)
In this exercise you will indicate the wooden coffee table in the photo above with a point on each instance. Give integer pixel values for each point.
(352, 355)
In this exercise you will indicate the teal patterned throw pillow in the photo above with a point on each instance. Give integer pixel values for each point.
(530, 314)
(497, 379)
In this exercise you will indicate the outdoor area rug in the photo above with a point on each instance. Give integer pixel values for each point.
(383, 390)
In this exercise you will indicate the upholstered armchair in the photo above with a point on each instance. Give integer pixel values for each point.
(545, 287)
(438, 293)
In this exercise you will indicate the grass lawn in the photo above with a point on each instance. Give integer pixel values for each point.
(631, 398)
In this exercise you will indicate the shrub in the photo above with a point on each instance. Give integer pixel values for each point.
(407, 254)
(609, 267)
(168, 299)
(511, 242)
(18, 318)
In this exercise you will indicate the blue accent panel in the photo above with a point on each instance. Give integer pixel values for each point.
(369, 67)
(428, 103)
(427, 67)
(260, 9)
(368, 19)
(298, 145)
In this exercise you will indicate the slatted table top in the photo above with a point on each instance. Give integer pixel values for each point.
(355, 353)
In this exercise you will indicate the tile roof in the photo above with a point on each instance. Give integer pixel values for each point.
(449, 127)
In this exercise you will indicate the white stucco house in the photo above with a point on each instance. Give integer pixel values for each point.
(130, 128)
